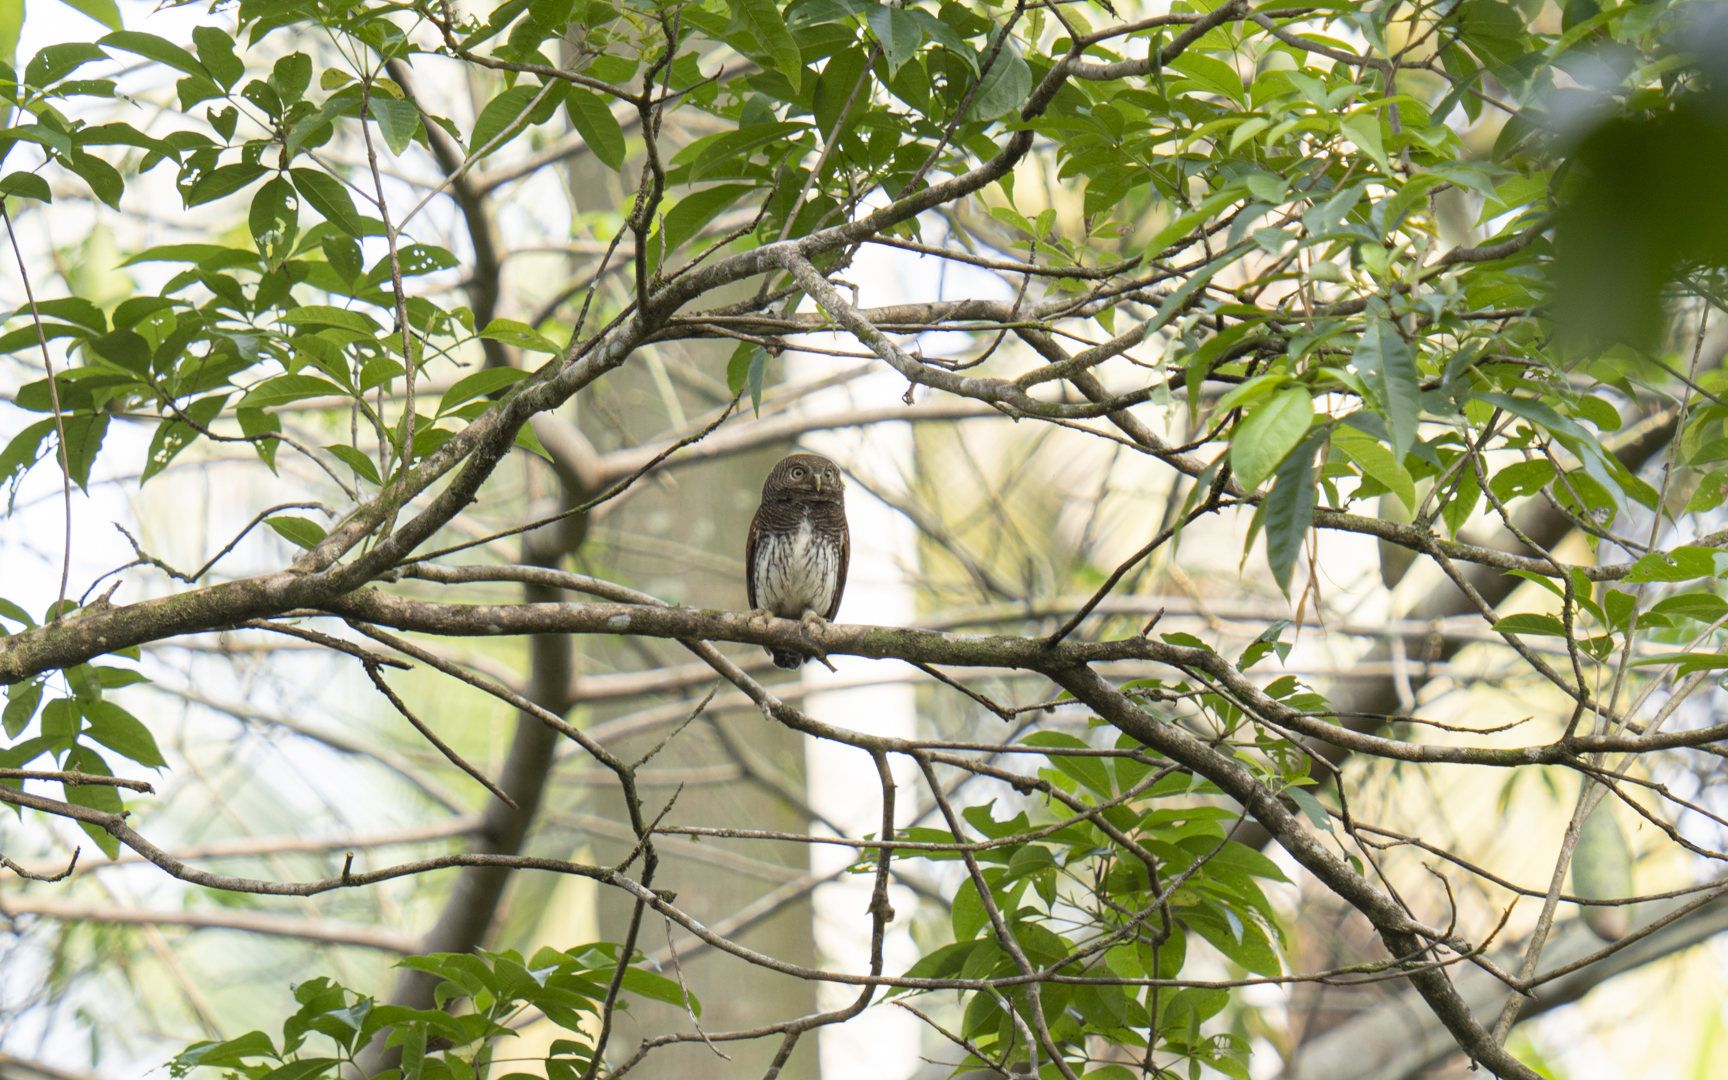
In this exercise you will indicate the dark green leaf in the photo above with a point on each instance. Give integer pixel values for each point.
(21, 701)
(762, 20)
(1289, 509)
(84, 434)
(591, 117)
(122, 733)
(221, 182)
(216, 53)
(154, 48)
(697, 209)
(331, 199)
(1004, 87)
(1088, 770)
(355, 460)
(1520, 478)
(899, 33)
(328, 315)
(1704, 607)
(26, 185)
(502, 118)
(1268, 434)
(84, 759)
(174, 435)
(398, 121)
(104, 180)
(1386, 361)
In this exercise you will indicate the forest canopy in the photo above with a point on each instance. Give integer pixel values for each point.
(1245, 407)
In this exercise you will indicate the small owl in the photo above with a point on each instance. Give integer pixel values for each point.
(799, 547)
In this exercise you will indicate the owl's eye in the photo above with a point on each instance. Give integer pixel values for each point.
(798, 474)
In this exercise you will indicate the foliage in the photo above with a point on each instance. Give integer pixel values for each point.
(1259, 250)
(442, 1043)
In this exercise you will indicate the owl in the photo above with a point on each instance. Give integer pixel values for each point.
(799, 547)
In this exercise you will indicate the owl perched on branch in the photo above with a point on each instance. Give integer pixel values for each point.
(799, 547)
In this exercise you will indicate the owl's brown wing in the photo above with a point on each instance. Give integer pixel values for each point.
(750, 546)
(842, 562)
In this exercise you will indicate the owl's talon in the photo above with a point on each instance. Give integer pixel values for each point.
(812, 621)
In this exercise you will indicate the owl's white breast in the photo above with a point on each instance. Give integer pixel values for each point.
(794, 572)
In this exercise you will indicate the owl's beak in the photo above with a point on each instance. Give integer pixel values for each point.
(818, 483)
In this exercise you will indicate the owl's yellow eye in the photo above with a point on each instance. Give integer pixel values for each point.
(797, 474)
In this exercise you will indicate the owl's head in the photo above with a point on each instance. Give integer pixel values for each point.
(804, 478)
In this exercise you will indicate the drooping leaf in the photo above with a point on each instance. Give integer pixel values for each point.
(762, 19)
(1269, 433)
(592, 117)
(1288, 511)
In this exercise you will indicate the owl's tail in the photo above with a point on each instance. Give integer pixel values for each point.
(786, 658)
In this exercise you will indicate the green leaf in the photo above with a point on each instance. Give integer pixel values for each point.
(304, 1069)
(591, 117)
(1385, 360)
(398, 121)
(1532, 623)
(520, 335)
(1268, 434)
(229, 1053)
(1376, 461)
(1310, 806)
(122, 733)
(762, 19)
(480, 384)
(1689, 662)
(216, 53)
(1288, 510)
(328, 315)
(21, 701)
(102, 11)
(502, 118)
(297, 530)
(899, 32)
(697, 209)
(85, 759)
(174, 435)
(58, 61)
(355, 460)
(274, 220)
(1681, 564)
(286, 388)
(1521, 478)
(255, 422)
(23, 451)
(104, 180)
(1363, 129)
(84, 434)
(221, 182)
(1004, 87)
(26, 185)
(17, 614)
(1088, 770)
(659, 988)
(967, 915)
(1704, 607)
(154, 48)
(330, 198)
